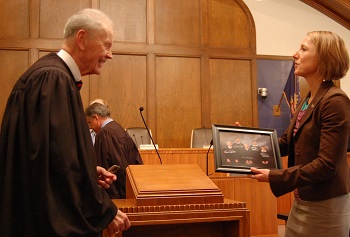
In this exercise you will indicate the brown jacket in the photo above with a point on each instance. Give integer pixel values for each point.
(317, 154)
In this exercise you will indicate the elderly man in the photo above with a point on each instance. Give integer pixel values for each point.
(49, 183)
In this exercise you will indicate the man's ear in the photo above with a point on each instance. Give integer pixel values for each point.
(81, 39)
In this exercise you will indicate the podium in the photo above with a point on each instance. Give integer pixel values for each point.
(181, 201)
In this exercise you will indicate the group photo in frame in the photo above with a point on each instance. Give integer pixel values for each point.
(237, 149)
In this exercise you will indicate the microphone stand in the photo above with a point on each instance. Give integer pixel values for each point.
(211, 143)
(141, 109)
(135, 140)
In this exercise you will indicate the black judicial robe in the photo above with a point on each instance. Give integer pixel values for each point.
(48, 177)
(114, 146)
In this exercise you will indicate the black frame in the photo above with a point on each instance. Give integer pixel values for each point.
(262, 151)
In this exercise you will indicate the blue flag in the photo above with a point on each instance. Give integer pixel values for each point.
(291, 91)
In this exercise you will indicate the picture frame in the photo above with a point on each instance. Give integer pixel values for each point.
(237, 149)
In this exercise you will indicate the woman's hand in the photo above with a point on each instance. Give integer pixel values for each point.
(262, 175)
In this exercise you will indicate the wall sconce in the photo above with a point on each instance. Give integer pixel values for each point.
(262, 92)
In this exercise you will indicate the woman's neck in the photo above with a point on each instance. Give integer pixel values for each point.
(314, 84)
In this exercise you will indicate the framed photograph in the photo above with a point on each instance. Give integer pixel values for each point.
(237, 149)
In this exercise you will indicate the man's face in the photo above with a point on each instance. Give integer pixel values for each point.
(98, 51)
(94, 123)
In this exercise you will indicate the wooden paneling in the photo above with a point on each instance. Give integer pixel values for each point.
(14, 63)
(228, 25)
(189, 63)
(182, 156)
(178, 100)
(122, 84)
(14, 19)
(54, 15)
(178, 22)
(129, 18)
(228, 219)
(258, 197)
(229, 80)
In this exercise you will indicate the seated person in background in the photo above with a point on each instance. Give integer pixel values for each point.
(113, 146)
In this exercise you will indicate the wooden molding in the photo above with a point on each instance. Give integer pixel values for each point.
(338, 10)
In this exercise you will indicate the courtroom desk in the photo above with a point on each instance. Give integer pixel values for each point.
(259, 199)
(228, 219)
(257, 196)
(182, 156)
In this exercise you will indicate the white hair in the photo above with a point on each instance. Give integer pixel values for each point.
(91, 20)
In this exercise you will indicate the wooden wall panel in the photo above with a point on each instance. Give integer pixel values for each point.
(249, 190)
(14, 19)
(230, 98)
(14, 63)
(122, 84)
(129, 19)
(178, 100)
(54, 15)
(159, 46)
(228, 25)
(178, 22)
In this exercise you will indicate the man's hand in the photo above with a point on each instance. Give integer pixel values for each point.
(105, 178)
(119, 223)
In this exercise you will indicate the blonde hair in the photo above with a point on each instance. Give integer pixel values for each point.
(332, 54)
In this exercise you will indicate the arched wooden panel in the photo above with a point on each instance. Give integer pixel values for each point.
(228, 25)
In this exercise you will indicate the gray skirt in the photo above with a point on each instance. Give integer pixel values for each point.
(326, 218)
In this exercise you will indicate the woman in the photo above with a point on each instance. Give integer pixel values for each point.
(316, 144)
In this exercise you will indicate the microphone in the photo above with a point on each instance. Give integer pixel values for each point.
(141, 109)
(135, 140)
(211, 143)
(142, 140)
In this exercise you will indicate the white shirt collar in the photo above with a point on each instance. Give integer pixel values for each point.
(107, 121)
(65, 56)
